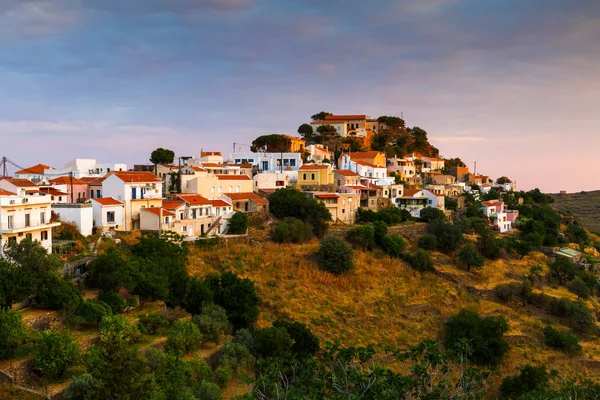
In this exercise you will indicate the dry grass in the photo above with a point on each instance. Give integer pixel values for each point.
(384, 301)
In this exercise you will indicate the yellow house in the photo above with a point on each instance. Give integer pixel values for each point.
(315, 175)
(372, 157)
(296, 144)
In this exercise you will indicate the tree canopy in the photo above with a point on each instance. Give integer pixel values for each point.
(274, 143)
(320, 116)
(162, 156)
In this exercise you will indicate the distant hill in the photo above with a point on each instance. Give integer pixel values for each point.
(584, 205)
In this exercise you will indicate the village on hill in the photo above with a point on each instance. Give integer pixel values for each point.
(347, 162)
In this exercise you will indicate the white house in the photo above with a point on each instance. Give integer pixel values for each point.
(25, 216)
(374, 173)
(269, 162)
(415, 200)
(275, 180)
(318, 153)
(403, 167)
(500, 218)
(21, 187)
(432, 164)
(89, 167)
(108, 213)
(136, 190)
(81, 214)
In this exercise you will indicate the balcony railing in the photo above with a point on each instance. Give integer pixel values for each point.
(22, 225)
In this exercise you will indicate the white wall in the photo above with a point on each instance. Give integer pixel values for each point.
(81, 214)
(100, 215)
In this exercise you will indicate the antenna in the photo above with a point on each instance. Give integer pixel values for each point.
(475, 168)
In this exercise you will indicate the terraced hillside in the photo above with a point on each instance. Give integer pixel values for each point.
(584, 205)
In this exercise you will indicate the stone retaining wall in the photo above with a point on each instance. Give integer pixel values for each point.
(408, 231)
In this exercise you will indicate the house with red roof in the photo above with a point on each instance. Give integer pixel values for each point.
(108, 213)
(247, 202)
(415, 200)
(35, 173)
(18, 186)
(76, 189)
(500, 218)
(342, 206)
(363, 165)
(137, 190)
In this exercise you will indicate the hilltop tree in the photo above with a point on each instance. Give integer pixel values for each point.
(450, 163)
(306, 131)
(320, 116)
(470, 257)
(273, 143)
(290, 202)
(502, 180)
(392, 122)
(161, 156)
(327, 132)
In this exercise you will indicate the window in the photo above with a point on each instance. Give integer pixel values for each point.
(98, 193)
(91, 194)
(194, 214)
(133, 193)
(292, 163)
(237, 189)
(180, 215)
(27, 220)
(339, 182)
(110, 217)
(230, 189)
(312, 177)
(212, 189)
(184, 229)
(11, 219)
(343, 211)
(350, 200)
(304, 176)
(220, 189)
(279, 183)
(44, 235)
(42, 218)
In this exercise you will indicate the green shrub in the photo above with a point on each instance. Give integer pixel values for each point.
(273, 342)
(235, 355)
(530, 379)
(208, 391)
(114, 300)
(183, 337)
(238, 224)
(580, 288)
(488, 245)
(212, 323)
(237, 296)
(390, 215)
(361, 237)
(292, 230)
(427, 242)
(57, 294)
(117, 330)
(486, 336)
(54, 353)
(335, 256)
(197, 294)
(381, 231)
(83, 387)
(561, 340)
(449, 237)
(564, 270)
(430, 214)
(420, 260)
(289, 202)
(306, 344)
(153, 323)
(92, 312)
(470, 257)
(512, 291)
(223, 375)
(12, 334)
(393, 245)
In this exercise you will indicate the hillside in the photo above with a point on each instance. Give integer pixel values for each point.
(386, 302)
(584, 205)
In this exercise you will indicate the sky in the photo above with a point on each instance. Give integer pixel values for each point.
(513, 85)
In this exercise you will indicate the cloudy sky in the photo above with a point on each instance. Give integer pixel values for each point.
(513, 85)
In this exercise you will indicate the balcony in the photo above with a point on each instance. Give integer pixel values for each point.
(21, 226)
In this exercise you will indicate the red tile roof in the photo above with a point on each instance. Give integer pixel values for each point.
(411, 192)
(6, 193)
(365, 154)
(247, 196)
(359, 187)
(107, 201)
(210, 153)
(212, 165)
(315, 166)
(491, 203)
(135, 176)
(197, 169)
(346, 172)
(327, 122)
(326, 196)
(345, 117)
(172, 205)
(294, 138)
(52, 191)
(246, 165)
(369, 185)
(36, 169)
(157, 210)
(234, 178)
(220, 203)
(93, 180)
(366, 164)
(19, 182)
(67, 180)
(194, 199)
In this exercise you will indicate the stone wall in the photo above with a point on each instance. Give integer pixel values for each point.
(318, 188)
(408, 231)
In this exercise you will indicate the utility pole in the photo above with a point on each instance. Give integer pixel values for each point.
(71, 183)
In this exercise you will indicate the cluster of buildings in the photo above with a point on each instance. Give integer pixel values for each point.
(198, 197)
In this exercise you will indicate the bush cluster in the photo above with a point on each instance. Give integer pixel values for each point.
(335, 256)
(292, 230)
(390, 215)
(561, 340)
(361, 237)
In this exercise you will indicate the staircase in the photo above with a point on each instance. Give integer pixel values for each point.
(215, 223)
